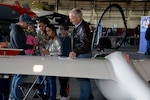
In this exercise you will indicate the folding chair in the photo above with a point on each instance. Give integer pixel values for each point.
(30, 89)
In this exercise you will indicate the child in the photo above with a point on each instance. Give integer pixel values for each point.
(66, 48)
(52, 48)
(30, 39)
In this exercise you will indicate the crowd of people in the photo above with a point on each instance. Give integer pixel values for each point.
(46, 42)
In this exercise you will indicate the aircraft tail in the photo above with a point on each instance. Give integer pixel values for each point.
(17, 3)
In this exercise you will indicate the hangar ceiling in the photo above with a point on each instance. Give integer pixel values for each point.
(93, 9)
(99, 5)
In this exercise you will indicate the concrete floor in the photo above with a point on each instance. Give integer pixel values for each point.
(74, 90)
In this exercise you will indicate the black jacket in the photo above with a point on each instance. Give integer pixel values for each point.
(147, 34)
(82, 39)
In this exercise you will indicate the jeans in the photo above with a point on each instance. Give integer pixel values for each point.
(15, 92)
(148, 47)
(46, 90)
(64, 86)
(4, 88)
(85, 85)
(52, 86)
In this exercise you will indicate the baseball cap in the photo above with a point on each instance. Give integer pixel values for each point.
(25, 18)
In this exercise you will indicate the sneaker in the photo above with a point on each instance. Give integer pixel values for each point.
(58, 97)
(65, 98)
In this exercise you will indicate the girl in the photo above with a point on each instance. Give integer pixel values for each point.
(30, 39)
(52, 48)
(53, 45)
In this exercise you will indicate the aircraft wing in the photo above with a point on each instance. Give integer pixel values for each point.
(55, 66)
(142, 66)
(114, 73)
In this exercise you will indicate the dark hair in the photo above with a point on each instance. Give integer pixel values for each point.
(44, 20)
(51, 26)
(65, 26)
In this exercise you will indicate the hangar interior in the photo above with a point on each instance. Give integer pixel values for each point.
(93, 9)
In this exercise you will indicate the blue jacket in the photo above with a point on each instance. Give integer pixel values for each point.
(66, 45)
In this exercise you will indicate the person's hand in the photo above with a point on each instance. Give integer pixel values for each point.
(44, 51)
(72, 55)
(40, 43)
(3, 44)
